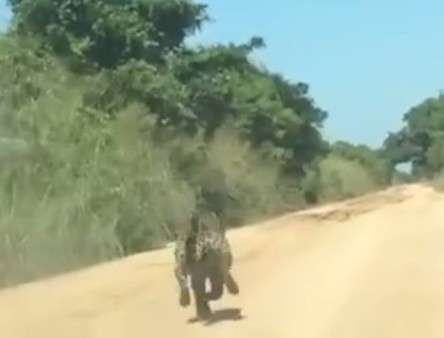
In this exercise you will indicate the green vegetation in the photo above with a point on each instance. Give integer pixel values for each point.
(438, 181)
(421, 141)
(113, 131)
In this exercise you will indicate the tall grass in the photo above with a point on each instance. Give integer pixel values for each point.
(251, 179)
(78, 186)
(438, 181)
(342, 178)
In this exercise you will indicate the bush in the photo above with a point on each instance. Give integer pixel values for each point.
(78, 188)
(400, 177)
(438, 181)
(341, 178)
(229, 176)
(250, 179)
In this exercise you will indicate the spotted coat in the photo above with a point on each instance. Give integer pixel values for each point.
(191, 246)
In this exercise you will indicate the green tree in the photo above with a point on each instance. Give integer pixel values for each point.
(420, 141)
(108, 33)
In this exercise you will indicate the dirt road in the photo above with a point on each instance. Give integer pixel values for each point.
(368, 268)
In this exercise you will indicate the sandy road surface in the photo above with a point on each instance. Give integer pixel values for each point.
(372, 267)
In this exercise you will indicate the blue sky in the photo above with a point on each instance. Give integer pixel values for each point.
(4, 15)
(366, 62)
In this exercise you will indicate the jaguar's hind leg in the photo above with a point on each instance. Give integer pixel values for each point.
(203, 310)
(226, 264)
(217, 286)
(231, 284)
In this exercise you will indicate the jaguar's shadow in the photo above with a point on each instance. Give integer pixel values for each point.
(231, 314)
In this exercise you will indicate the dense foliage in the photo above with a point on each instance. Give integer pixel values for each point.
(108, 33)
(421, 141)
(113, 131)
